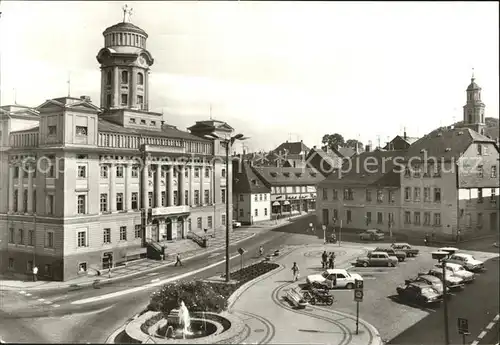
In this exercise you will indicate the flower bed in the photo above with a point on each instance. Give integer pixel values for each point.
(150, 322)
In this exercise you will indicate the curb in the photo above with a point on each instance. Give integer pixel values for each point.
(6, 287)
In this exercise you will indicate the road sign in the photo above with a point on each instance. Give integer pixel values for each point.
(358, 284)
(463, 326)
(241, 251)
(358, 295)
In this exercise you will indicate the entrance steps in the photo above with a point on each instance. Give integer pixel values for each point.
(179, 246)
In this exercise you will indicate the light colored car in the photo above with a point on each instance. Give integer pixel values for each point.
(467, 261)
(372, 234)
(236, 224)
(458, 271)
(376, 259)
(452, 282)
(431, 280)
(327, 278)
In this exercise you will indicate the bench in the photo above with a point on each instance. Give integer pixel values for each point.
(295, 297)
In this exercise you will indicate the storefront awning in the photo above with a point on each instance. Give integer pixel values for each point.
(276, 203)
(286, 202)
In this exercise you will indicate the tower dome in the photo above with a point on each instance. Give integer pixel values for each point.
(473, 86)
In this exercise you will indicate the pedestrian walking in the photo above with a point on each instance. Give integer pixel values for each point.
(295, 271)
(331, 261)
(35, 272)
(324, 259)
(458, 235)
(109, 272)
(178, 260)
(426, 239)
(261, 251)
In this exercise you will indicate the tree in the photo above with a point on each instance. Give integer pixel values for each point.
(352, 144)
(333, 141)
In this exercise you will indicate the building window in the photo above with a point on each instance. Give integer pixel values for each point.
(407, 217)
(25, 201)
(437, 170)
(427, 218)
(108, 78)
(196, 172)
(82, 267)
(186, 197)
(407, 193)
(416, 194)
(135, 172)
(368, 218)
(390, 218)
(131, 120)
(124, 77)
(348, 216)
(265, 197)
(15, 200)
(21, 236)
(437, 194)
(52, 130)
(199, 223)
(480, 171)
(391, 196)
(49, 239)
(380, 195)
(163, 198)
(494, 171)
(123, 233)
(119, 171)
(135, 204)
(107, 236)
(104, 171)
(143, 122)
(140, 78)
(427, 194)
(186, 173)
(81, 204)
(416, 218)
(209, 222)
(206, 197)
(368, 195)
(335, 194)
(223, 195)
(380, 218)
(48, 270)
(176, 198)
(82, 171)
(82, 239)
(119, 201)
(479, 195)
(256, 197)
(196, 197)
(493, 198)
(223, 219)
(260, 197)
(124, 99)
(104, 202)
(31, 238)
(207, 173)
(335, 214)
(223, 173)
(241, 197)
(50, 204)
(108, 100)
(479, 220)
(348, 194)
(265, 211)
(437, 219)
(479, 149)
(81, 130)
(150, 199)
(256, 212)
(153, 123)
(138, 231)
(241, 212)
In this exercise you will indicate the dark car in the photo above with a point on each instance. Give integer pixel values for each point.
(419, 293)
(432, 281)
(405, 247)
(401, 256)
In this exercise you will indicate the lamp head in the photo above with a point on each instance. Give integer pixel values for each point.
(449, 250)
(439, 255)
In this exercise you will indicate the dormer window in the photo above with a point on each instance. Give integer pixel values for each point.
(131, 120)
(124, 77)
(313, 174)
(479, 149)
(273, 174)
(286, 174)
(143, 122)
(52, 130)
(153, 123)
(298, 174)
(81, 130)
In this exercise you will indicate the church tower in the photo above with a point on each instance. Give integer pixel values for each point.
(125, 65)
(474, 108)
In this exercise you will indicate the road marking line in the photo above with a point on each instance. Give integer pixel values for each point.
(481, 335)
(22, 292)
(28, 294)
(155, 280)
(475, 342)
(145, 287)
(490, 325)
(47, 302)
(496, 318)
(41, 299)
(152, 274)
(56, 305)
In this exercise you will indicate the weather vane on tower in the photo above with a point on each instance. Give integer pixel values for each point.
(127, 12)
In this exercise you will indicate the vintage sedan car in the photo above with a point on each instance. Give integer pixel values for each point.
(433, 281)
(236, 224)
(459, 271)
(405, 247)
(467, 261)
(372, 234)
(401, 256)
(419, 293)
(340, 277)
(452, 282)
(376, 259)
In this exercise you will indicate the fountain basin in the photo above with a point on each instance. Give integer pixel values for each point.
(199, 328)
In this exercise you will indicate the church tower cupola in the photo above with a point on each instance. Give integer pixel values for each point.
(125, 65)
(474, 108)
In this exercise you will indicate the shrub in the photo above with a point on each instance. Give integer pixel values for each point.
(150, 322)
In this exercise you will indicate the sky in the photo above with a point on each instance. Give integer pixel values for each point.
(274, 71)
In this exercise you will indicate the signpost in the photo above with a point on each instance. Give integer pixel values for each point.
(340, 232)
(358, 297)
(241, 251)
(463, 328)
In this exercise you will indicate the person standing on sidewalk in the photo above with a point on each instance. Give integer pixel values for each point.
(35, 272)
(331, 261)
(178, 260)
(295, 271)
(324, 259)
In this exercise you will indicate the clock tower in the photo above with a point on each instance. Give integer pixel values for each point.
(125, 65)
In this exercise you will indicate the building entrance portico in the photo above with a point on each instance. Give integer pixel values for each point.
(168, 228)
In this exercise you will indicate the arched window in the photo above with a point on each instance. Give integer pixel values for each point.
(140, 78)
(108, 78)
(470, 117)
(124, 77)
(482, 118)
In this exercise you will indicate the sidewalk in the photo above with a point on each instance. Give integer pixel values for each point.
(275, 222)
(133, 268)
(270, 318)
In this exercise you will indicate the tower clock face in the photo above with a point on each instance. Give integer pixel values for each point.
(141, 61)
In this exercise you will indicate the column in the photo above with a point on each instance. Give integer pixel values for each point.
(211, 178)
(170, 186)
(11, 188)
(112, 191)
(202, 181)
(133, 87)
(191, 185)
(145, 185)
(30, 189)
(20, 191)
(158, 185)
(145, 91)
(116, 87)
(181, 182)
(126, 196)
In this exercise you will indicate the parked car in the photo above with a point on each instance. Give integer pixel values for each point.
(401, 256)
(372, 234)
(458, 271)
(405, 247)
(433, 281)
(326, 279)
(236, 224)
(452, 282)
(419, 293)
(376, 259)
(467, 261)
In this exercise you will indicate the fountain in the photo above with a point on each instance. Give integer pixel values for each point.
(185, 320)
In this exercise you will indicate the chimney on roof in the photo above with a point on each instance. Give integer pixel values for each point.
(85, 98)
(368, 147)
(404, 135)
(301, 141)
